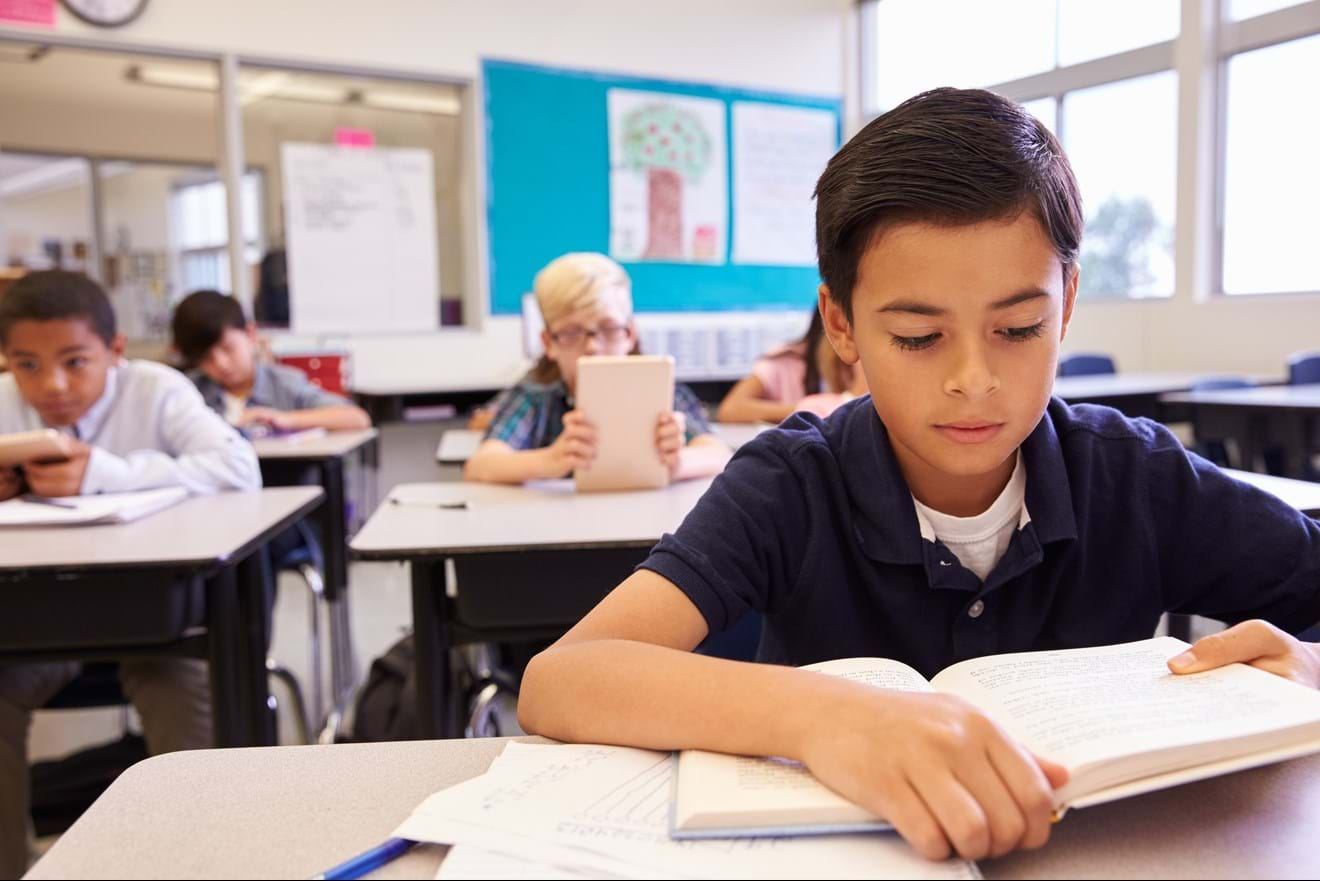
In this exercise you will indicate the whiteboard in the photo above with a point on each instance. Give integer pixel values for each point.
(360, 231)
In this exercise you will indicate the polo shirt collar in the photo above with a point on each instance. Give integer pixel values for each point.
(886, 523)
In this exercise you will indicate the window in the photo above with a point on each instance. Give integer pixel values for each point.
(1094, 72)
(1271, 183)
(201, 237)
(1128, 183)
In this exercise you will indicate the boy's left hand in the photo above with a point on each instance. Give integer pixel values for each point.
(670, 432)
(1259, 644)
(59, 478)
(276, 419)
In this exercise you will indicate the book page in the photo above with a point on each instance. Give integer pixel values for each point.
(606, 809)
(1084, 707)
(754, 790)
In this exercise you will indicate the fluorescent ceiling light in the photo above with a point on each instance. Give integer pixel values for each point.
(444, 105)
(279, 84)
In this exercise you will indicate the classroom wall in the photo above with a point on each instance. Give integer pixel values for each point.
(781, 45)
(788, 45)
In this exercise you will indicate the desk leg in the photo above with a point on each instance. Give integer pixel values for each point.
(434, 677)
(222, 628)
(255, 599)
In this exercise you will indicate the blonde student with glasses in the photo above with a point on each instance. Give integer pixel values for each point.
(586, 304)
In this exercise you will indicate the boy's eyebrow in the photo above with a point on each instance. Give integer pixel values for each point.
(1023, 297)
(915, 307)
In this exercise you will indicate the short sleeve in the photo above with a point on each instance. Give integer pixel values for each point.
(741, 548)
(686, 403)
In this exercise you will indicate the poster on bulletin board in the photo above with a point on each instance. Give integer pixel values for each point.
(702, 192)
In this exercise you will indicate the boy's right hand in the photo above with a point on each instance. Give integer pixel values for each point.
(10, 483)
(945, 775)
(574, 448)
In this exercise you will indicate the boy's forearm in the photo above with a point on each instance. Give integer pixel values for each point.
(754, 410)
(506, 466)
(706, 455)
(344, 417)
(643, 695)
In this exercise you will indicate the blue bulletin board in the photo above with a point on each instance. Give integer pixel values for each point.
(548, 192)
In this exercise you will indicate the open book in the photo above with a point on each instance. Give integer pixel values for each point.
(88, 510)
(1114, 716)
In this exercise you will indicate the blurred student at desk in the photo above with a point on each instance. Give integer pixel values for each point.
(133, 425)
(219, 345)
(783, 378)
(586, 303)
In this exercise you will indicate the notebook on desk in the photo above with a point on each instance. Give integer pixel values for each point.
(88, 510)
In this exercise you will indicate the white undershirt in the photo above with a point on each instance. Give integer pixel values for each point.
(234, 407)
(978, 542)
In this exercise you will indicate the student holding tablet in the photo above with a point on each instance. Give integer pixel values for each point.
(586, 303)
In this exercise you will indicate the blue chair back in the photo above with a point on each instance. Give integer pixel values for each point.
(1086, 365)
(1304, 367)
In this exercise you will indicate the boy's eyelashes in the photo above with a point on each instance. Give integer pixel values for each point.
(1011, 334)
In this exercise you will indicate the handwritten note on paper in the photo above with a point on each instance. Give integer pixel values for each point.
(606, 808)
(778, 153)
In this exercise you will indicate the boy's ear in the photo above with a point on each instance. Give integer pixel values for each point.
(1069, 299)
(117, 345)
(251, 329)
(837, 326)
(546, 343)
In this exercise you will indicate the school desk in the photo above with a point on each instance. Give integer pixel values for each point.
(1283, 416)
(294, 811)
(527, 563)
(185, 581)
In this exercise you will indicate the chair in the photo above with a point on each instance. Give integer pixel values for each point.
(298, 551)
(1086, 365)
(1304, 368)
(1207, 443)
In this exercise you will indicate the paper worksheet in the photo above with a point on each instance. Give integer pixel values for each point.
(606, 809)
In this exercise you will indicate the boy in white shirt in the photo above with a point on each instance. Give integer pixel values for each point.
(133, 425)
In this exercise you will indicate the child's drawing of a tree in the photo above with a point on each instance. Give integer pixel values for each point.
(671, 146)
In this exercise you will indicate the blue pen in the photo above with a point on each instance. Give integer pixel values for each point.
(369, 861)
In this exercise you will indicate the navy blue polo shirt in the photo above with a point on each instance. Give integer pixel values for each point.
(813, 525)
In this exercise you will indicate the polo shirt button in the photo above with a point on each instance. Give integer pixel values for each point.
(976, 609)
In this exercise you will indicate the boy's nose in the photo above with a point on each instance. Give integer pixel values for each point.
(56, 381)
(972, 376)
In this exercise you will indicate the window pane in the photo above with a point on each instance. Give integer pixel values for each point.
(45, 211)
(1271, 179)
(917, 49)
(1128, 183)
(1236, 10)
(1095, 28)
(1044, 109)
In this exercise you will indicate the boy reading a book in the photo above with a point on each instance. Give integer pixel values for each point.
(959, 511)
(219, 344)
(133, 425)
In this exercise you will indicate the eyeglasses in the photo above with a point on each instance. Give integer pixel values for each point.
(572, 337)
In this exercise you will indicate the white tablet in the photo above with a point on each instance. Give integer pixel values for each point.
(42, 445)
(624, 397)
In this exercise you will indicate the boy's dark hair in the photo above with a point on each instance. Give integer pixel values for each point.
(950, 157)
(200, 320)
(55, 295)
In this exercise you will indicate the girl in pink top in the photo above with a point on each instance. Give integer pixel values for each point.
(784, 376)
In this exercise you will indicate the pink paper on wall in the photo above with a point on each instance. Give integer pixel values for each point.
(353, 137)
(37, 12)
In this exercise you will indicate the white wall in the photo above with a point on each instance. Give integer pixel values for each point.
(783, 45)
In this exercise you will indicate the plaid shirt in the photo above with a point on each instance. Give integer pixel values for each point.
(531, 415)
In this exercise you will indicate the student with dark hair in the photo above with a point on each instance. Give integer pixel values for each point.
(133, 425)
(958, 511)
(220, 346)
